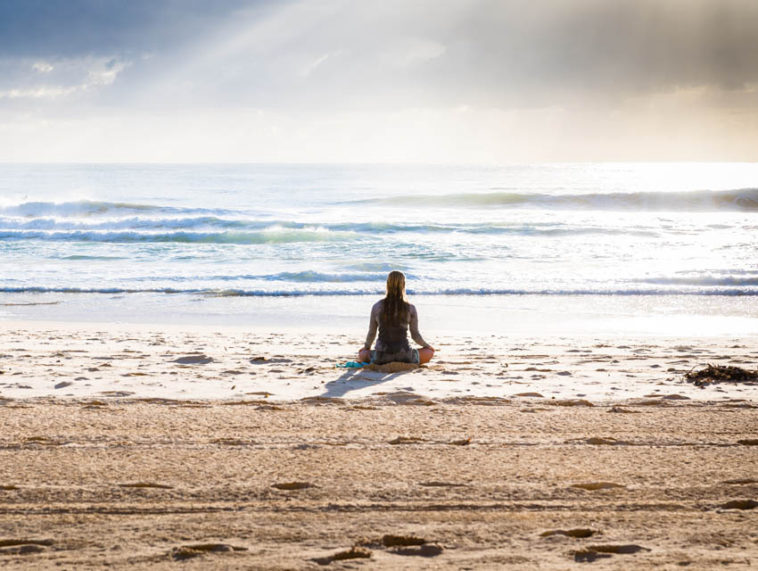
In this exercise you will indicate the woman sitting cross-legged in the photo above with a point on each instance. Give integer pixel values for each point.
(394, 317)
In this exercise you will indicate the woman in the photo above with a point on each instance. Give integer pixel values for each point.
(393, 316)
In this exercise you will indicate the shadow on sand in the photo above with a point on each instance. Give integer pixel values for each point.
(356, 379)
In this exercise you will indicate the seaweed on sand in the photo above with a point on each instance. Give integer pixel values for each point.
(720, 374)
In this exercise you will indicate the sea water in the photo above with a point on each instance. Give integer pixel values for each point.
(483, 248)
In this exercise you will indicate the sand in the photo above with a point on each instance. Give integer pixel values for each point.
(116, 361)
(236, 449)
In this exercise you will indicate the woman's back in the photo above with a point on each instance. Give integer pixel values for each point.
(393, 317)
(393, 329)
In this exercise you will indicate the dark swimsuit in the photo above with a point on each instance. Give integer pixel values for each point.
(392, 344)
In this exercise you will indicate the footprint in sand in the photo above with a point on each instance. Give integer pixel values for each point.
(43, 440)
(407, 545)
(437, 484)
(426, 550)
(194, 360)
(23, 546)
(146, 485)
(407, 440)
(352, 553)
(592, 552)
(261, 360)
(618, 409)
(577, 533)
(600, 441)
(667, 397)
(571, 402)
(292, 485)
(190, 551)
(740, 505)
(233, 442)
(592, 486)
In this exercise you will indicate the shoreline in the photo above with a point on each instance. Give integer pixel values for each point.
(540, 316)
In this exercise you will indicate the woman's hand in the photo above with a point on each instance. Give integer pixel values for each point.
(364, 355)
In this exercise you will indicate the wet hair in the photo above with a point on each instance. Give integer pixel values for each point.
(395, 307)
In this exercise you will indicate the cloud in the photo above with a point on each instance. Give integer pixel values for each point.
(504, 54)
(72, 28)
(620, 47)
(61, 78)
(311, 67)
(411, 52)
(391, 79)
(104, 73)
(42, 67)
(311, 54)
(44, 92)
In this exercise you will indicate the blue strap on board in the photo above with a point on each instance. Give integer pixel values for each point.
(351, 365)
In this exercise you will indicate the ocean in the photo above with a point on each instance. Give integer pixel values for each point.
(521, 246)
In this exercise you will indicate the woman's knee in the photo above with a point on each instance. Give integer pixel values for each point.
(425, 355)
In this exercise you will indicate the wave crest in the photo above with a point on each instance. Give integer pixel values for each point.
(731, 292)
(745, 200)
(94, 208)
(268, 236)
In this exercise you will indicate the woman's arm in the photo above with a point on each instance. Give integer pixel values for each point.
(372, 326)
(414, 328)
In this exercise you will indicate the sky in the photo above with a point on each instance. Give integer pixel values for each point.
(396, 81)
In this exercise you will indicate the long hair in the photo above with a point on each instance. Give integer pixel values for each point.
(395, 306)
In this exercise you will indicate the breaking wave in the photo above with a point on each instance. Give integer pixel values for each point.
(269, 236)
(214, 229)
(96, 208)
(745, 199)
(379, 291)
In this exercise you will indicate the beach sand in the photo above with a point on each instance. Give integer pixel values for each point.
(98, 360)
(137, 446)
